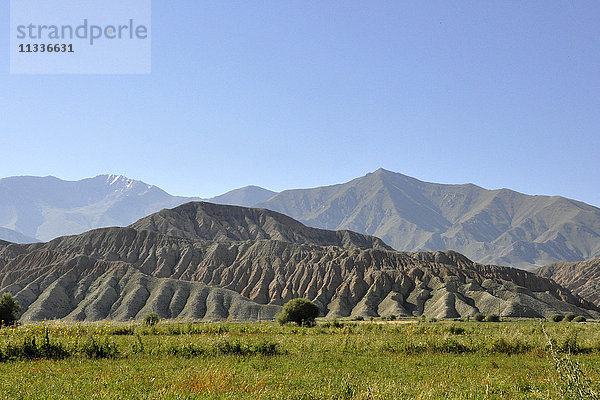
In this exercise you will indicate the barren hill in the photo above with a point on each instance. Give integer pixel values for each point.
(490, 226)
(122, 273)
(207, 221)
(582, 278)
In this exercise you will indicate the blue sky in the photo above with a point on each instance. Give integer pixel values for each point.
(301, 94)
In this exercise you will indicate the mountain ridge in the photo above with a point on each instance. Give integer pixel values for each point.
(491, 226)
(581, 277)
(498, 226)
(122, 273)
(208, 221)
(47, 207)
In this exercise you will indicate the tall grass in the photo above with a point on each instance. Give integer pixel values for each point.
(341, 360)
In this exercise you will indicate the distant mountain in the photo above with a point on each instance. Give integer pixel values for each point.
(14, 236)
(581, 277)
(501, 227)
(245, 197)
(45, 208)
(207, 261)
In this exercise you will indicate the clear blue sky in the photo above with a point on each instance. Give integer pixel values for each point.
(301, 94)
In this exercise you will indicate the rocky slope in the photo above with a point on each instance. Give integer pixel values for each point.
(490, 226)
(582, 278)
(122, 273)
(207, 221)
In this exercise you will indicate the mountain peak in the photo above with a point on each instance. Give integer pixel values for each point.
(382, 171)
(385, 173)
(489, 226)
(209, 221)
(44, 208)
(246, 196)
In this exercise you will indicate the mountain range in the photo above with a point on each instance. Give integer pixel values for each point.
(43, 208)
(207, 261)
(500, 227)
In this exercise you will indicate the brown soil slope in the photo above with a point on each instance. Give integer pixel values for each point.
(582, 278)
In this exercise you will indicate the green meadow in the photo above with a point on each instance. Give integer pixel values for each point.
(408, 359)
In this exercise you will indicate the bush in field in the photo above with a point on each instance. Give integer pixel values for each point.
(580, 318)
(504, 346)
(151, 319)
(456, 330)
(570, 317)
(237, 348)
(31, 349)
(479, 317)
(95, 349)
(556, 317)
(9, 310)
(301, 311)
(122, 330)
(492, 318)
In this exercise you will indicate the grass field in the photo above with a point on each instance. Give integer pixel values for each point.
(347, 360)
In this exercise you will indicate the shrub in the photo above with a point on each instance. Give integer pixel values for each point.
(237, 348)
(579, 318)
(504, 346)
(9, 310)
(30, 349)
(94, 349)
(556, 317)
(188, 350)
(479, 317)
(151, 319)
(492, 318)
(336, 324)
(301, 311)
(569, 344)
(456, 330)
(359, 318)
(570, 317)
(123, 330)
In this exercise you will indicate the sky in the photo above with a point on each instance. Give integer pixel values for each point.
(301, 94)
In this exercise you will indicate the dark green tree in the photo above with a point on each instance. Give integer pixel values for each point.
(9, 310)
(301, 311)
